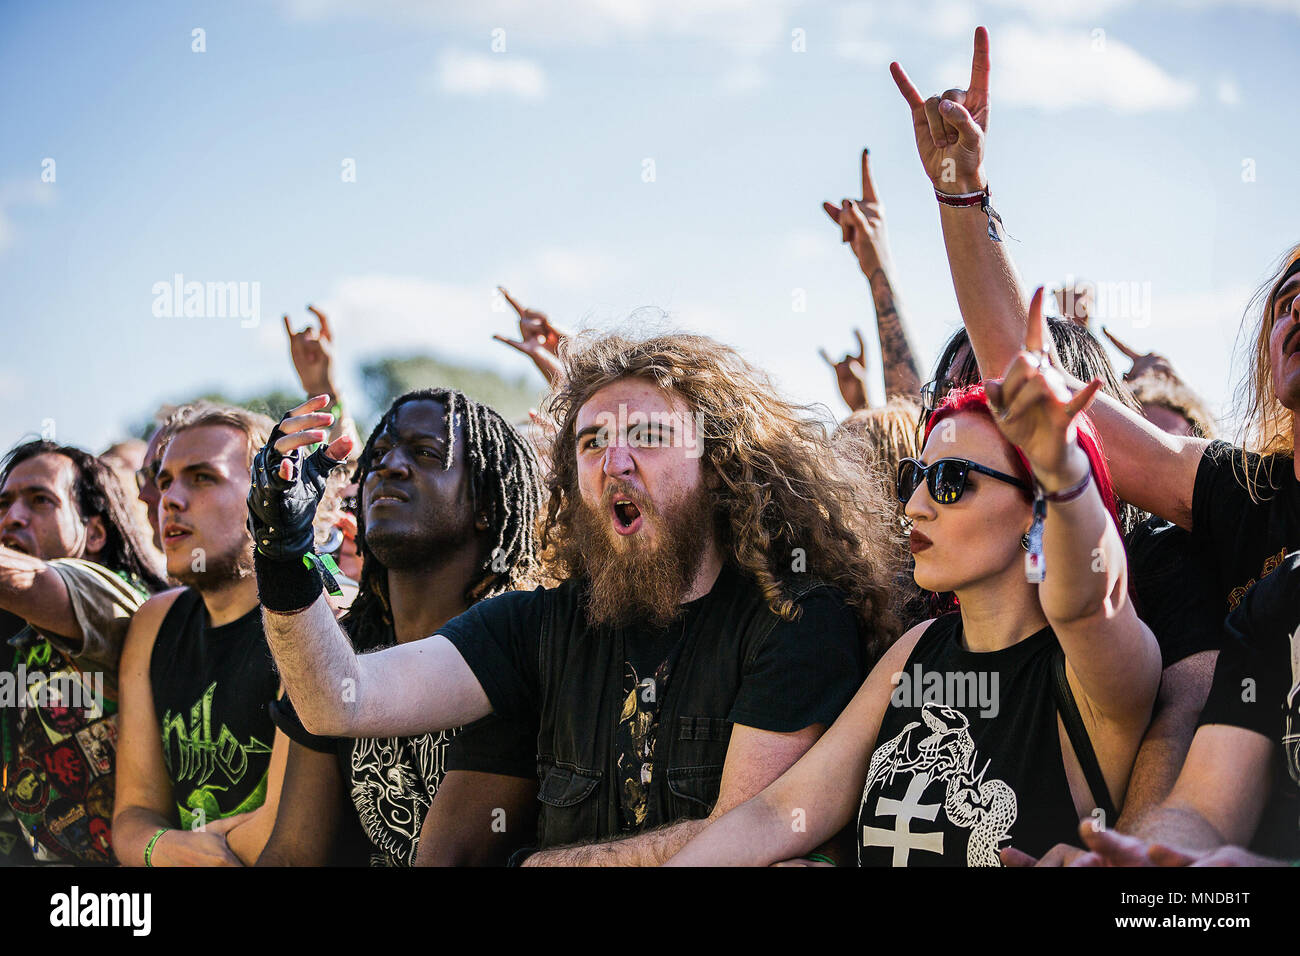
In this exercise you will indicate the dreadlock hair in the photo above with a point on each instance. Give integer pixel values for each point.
(504, 483)
(781, 491)
(98, 495)
(1080, 353)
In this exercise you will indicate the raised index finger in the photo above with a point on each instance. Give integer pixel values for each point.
(905, 86)
(868, 188)
(979, 67)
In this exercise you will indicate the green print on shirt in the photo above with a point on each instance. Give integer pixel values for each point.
(200, 755)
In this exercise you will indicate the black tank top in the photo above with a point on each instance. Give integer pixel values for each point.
(968, 760)
(211, 686)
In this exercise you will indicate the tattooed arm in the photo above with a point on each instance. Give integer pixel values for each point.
(862, 225)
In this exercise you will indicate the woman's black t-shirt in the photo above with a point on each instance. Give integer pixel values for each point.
(1257, 687)
(968, 759)
(1245, 540)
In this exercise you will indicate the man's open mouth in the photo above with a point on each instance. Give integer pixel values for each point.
(627, 516)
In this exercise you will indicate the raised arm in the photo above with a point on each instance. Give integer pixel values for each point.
(1151, 469)
(402, 691)
(1085, 592)
(862, 226)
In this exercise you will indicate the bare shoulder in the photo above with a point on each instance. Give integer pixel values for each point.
(901, 649)
(148, 619)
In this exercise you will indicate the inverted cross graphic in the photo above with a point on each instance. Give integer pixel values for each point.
(904, 811)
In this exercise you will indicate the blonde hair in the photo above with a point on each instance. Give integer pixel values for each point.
(1268, 426)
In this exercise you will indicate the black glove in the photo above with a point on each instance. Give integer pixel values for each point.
(280, 513)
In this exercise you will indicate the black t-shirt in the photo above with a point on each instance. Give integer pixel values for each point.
(1244, 539)
(392, 781)
(1174, 588)
(793, 681)
(210, 687)
(1257, 687)
(968, 757)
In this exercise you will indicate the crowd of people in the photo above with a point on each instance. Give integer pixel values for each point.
(1029, 611)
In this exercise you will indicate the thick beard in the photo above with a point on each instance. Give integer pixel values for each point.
(222, 570)
(634, 583)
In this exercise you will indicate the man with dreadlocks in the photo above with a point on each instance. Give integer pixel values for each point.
(719, 574)
(448, 494)
(73, 570)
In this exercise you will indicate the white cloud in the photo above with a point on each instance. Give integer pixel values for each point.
(477, 74)
(1056, 70)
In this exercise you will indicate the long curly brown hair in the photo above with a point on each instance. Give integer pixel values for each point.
(785, 504)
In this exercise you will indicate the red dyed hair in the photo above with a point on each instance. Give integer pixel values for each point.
(973, 398)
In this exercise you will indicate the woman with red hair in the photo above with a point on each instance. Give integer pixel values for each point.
(1009, 718)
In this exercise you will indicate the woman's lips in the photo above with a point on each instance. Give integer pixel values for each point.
(917, 542)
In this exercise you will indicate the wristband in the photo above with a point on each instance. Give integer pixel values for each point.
(148, 850)
(984, 199)
(1069, 494)
(820, 858)
(286, 587)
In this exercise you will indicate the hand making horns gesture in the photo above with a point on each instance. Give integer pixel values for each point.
(950, 128)
(539, 339)
(862, 224)
(1035, 408)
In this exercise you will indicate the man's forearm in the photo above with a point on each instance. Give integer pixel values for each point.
(645, 849)
(1180, 827)
(133, 828)
(897, 356)
(1184, 688)
(317, 665)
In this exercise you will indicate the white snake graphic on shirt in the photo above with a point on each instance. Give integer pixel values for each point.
(390, 795)
(986, 807)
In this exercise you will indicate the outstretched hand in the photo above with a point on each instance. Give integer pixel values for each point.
(950, 128)
(1035, 408)
(539, 339)
(851, 374)
(862, 224)
(286, 486)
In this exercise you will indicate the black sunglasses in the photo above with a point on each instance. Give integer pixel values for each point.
(946, 478)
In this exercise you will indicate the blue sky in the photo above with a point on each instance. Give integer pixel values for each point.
(1130, 143)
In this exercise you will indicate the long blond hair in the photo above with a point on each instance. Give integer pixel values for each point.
(1268, 426)
(783, 503)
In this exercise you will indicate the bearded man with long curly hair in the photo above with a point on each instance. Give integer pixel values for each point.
(721, 589)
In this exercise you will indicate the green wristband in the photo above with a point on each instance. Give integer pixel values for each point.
(820, 858)
(148, 851)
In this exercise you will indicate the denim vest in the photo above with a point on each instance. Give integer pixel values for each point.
(582, 695)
